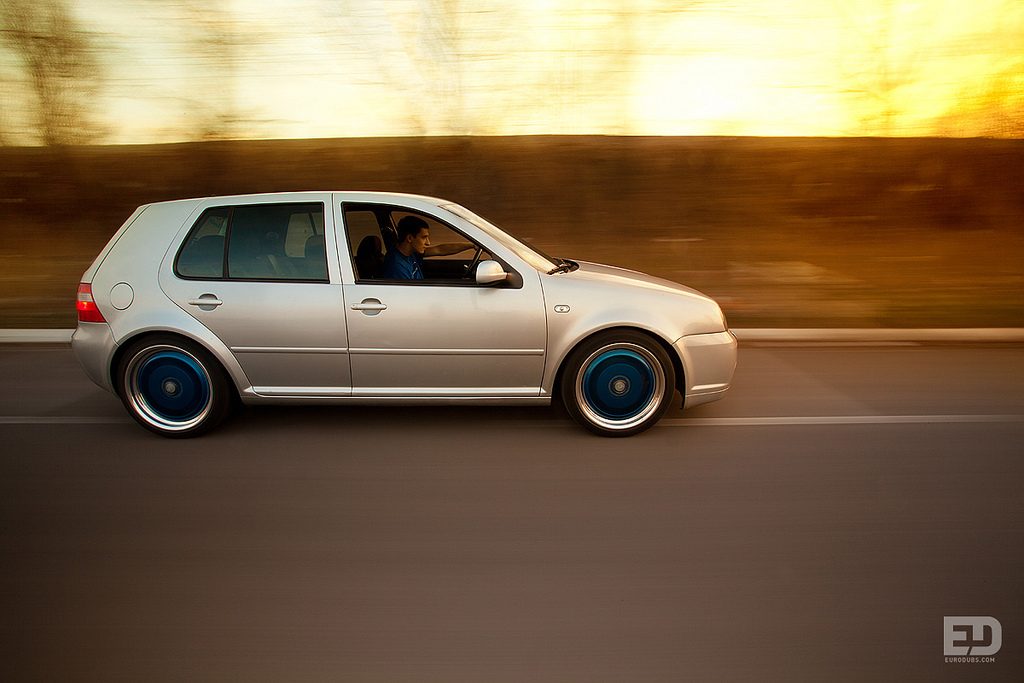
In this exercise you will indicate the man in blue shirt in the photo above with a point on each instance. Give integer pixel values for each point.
(405, 260)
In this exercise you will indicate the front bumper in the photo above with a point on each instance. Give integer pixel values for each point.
(94, 346)
(709, 361)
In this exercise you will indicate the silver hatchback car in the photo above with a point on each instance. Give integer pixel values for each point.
(377, 298)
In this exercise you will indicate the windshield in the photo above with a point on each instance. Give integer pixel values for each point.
(535, 257)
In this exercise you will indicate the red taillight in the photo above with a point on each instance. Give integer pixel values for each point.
(86, 305)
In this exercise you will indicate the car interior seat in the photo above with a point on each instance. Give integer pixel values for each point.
(273, 245)
(390, 234)
(247, 256)
(369, 257)
(315, 257)
(203, 259)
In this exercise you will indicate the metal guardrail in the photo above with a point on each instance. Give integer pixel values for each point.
(871, 334)
(8, 336)
(823, 335)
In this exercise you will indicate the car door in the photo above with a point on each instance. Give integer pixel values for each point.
(443, 337)
(260, 276)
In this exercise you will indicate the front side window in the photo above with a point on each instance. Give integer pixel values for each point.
(262, 242)
(382, 251)
(529, 253)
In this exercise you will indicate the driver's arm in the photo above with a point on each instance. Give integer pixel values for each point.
(447, 249)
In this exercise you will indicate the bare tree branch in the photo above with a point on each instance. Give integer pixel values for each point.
(61, 65)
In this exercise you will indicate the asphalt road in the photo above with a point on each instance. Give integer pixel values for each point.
(817, 524)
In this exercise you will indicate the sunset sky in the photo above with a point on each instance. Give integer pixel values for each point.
(173, 70)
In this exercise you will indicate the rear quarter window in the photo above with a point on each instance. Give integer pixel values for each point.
(203, 253)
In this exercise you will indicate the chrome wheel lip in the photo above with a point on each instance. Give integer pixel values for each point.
(143, 408)
(642, 414)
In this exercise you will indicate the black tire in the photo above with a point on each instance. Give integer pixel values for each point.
(173, 387)
(618, 383)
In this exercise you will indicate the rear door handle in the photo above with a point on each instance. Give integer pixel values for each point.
(206, 300)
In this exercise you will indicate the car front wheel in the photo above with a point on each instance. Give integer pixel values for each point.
(618, 383)
(173, 387)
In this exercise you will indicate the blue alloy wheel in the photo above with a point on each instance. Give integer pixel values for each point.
(619, 386)
(169, 388)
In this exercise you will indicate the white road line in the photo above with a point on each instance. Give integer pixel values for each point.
(60, 420)
(835, 420)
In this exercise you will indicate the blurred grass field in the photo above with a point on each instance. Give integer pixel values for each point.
(793, 232)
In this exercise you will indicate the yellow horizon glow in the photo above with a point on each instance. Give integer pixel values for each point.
(490, 67)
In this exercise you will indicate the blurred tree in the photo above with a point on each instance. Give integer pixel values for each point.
(427, 52)
(487, 66)
(443, 51)
(62, 69)
(877, 62)
(595, 67)
(443, 44)
(4, 123)
(211, 34)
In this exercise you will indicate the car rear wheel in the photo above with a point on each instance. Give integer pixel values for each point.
(618, 383)
(173, 387)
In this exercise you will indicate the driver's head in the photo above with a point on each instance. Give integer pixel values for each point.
(414, 232)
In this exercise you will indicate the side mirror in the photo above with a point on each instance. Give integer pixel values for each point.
(488, 272)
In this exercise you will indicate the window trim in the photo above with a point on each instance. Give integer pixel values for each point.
(225, 277)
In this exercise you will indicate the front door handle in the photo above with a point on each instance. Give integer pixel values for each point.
(369, 306)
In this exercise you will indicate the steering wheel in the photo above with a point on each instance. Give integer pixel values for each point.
(473, 264)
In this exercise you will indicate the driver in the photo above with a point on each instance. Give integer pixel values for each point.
(405, 260)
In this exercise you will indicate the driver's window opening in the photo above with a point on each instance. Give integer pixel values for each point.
(437, 252)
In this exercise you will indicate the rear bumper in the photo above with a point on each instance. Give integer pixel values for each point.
(709, 361)
(94, 346)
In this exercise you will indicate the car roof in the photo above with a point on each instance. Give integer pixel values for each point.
(344, 195)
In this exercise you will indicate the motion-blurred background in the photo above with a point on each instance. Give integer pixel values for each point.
(808, 163)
